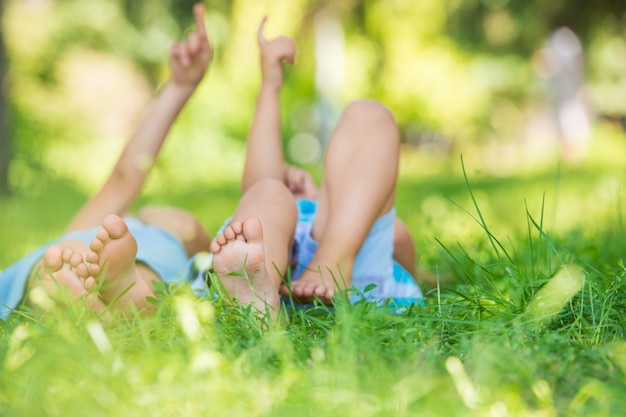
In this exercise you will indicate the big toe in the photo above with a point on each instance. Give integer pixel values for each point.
(53, 258)
(115, 226)
(252, 229)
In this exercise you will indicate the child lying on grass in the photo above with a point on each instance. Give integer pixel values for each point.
(342, 235)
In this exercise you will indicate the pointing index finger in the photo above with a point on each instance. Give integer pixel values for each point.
(198, 13)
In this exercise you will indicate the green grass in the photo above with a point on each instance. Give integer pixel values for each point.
(509, 332)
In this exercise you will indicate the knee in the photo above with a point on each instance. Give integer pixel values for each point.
(368, 111)
(270, 194)
(270, 189)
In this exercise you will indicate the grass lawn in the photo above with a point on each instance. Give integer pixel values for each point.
(528, 318)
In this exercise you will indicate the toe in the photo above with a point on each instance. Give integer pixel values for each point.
(301, 290)
(103, 236)
(215, 247)
(221, 239)
(75, 259)
(253, 230)
(92, 258)
(53, 258)
(94, 269)
(90, 283)
(96, 245)
(115, 226)
(82, 271)
(229, 233)
(321, 291)
(67, 255)
(237, 227)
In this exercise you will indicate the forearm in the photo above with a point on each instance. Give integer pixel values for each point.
(264, 138)
(143, 147)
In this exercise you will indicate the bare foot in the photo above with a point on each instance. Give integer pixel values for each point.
(112, 260)
(239, 262)
(311, 286)
(319, 283)
(58, 275)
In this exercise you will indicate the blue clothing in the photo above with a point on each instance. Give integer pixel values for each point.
(160, 250)
(376, 276)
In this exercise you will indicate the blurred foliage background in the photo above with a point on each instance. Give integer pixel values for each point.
(470, 77)
(80, 74)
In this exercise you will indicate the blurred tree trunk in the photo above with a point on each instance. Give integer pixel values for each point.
(5, 140)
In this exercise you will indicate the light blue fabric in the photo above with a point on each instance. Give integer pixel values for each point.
(160, 250)
(374, 265)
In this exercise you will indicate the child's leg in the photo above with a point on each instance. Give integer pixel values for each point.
(262, 227)
(360, 172)
(182, 224)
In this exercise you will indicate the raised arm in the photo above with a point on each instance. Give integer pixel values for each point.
(189, 60)
(264, 147)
